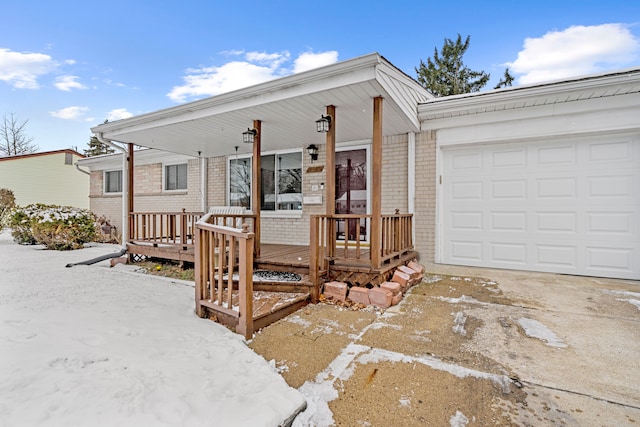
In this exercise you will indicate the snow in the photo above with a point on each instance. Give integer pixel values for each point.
(100, 346)
(535, 329)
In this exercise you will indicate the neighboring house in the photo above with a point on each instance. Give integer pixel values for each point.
(542, 177)
(50, 177)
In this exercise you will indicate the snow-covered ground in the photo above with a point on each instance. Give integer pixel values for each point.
(99, 346)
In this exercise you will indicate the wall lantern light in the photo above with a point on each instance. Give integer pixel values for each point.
(249, 136)
(313, 152)
(323, 124)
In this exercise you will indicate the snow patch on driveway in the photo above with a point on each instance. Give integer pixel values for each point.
(535, 329)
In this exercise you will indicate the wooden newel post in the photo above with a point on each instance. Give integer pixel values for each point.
(245, 285)
(200, 260)
(315, 237)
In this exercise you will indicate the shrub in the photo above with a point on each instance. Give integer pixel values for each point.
(56, 227)
(7, 203)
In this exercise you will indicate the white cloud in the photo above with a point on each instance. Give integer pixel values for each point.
(575, 51)
(70, 113)
(118, 113)
(22, 69)
(67, 83)
(310, 60)
(257, 67)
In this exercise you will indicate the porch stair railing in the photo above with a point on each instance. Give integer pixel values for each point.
(222, 252)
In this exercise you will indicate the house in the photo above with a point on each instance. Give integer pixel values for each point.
(542, 177)
(50, 177)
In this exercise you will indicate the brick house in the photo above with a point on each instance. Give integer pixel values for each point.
(543, 177)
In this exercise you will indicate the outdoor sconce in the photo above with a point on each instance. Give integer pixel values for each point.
(249, 136)
(313, 152)
(323, 124)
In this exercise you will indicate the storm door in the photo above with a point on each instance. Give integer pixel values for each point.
(351, 193)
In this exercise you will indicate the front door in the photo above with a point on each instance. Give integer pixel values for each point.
(351, 192)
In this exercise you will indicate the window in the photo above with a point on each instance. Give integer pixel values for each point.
(113, 181)
(240, 182)
(281, 186)
(68, 158)
(175, 177)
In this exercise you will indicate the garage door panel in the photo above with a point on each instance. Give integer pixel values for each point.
(556, 255)
(611, 224)
(466, 251)
(559, 206)
(466, 221)
(553, 155)
(512, 158)
(611, 151)
(471, 190)
(514, 254)
(514, 221)
(612, 259)
(557, 188)
(618, 186)
(512, 189)
(556, 222)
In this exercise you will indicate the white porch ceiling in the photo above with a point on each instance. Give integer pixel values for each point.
(288, 108)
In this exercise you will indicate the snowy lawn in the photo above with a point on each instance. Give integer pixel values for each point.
(98, 346)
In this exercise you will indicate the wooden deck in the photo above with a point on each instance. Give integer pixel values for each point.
(295, 258)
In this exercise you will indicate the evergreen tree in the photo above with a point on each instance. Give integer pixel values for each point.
(446, 74)
(506, 80)
(97, 148)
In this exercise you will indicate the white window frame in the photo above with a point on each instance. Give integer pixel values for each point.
(164, 177)
(104, 181)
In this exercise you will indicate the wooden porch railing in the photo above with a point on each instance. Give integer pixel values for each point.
(178, 228)
(224, 250)
(339, 239)
(170, 228)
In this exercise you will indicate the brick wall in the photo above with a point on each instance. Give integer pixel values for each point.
(148, 193)
(425, 204)
(394, 174)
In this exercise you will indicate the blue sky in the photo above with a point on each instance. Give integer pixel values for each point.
(66, 66)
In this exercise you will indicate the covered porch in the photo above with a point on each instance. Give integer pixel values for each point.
(279, 116)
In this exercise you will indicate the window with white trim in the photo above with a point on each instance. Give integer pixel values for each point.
(113, 181)
(281, 186)
(175, 177)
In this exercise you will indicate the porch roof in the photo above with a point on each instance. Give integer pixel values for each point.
(288, 108)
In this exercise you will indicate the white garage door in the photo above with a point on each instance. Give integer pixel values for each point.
(565, 206)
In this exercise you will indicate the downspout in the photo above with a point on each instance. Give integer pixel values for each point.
(125, 186)
(204, 169)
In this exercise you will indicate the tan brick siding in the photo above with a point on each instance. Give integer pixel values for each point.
(148, 193)
(394, 174)
(425, 204)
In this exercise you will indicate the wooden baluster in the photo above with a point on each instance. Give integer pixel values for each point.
(231, 265)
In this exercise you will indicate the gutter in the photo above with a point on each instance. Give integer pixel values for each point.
(125, 185)
(81, 170)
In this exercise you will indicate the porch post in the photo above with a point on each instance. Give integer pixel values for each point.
(255, 184)
(376, 183)
(330, 173)
(330, 182)
(130, 175)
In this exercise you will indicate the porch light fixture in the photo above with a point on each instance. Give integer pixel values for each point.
(313, 152)
(323, 124)
(249, 136)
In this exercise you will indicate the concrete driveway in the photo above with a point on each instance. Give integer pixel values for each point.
(470, 346)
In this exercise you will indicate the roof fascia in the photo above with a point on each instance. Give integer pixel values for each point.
(468, 103)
